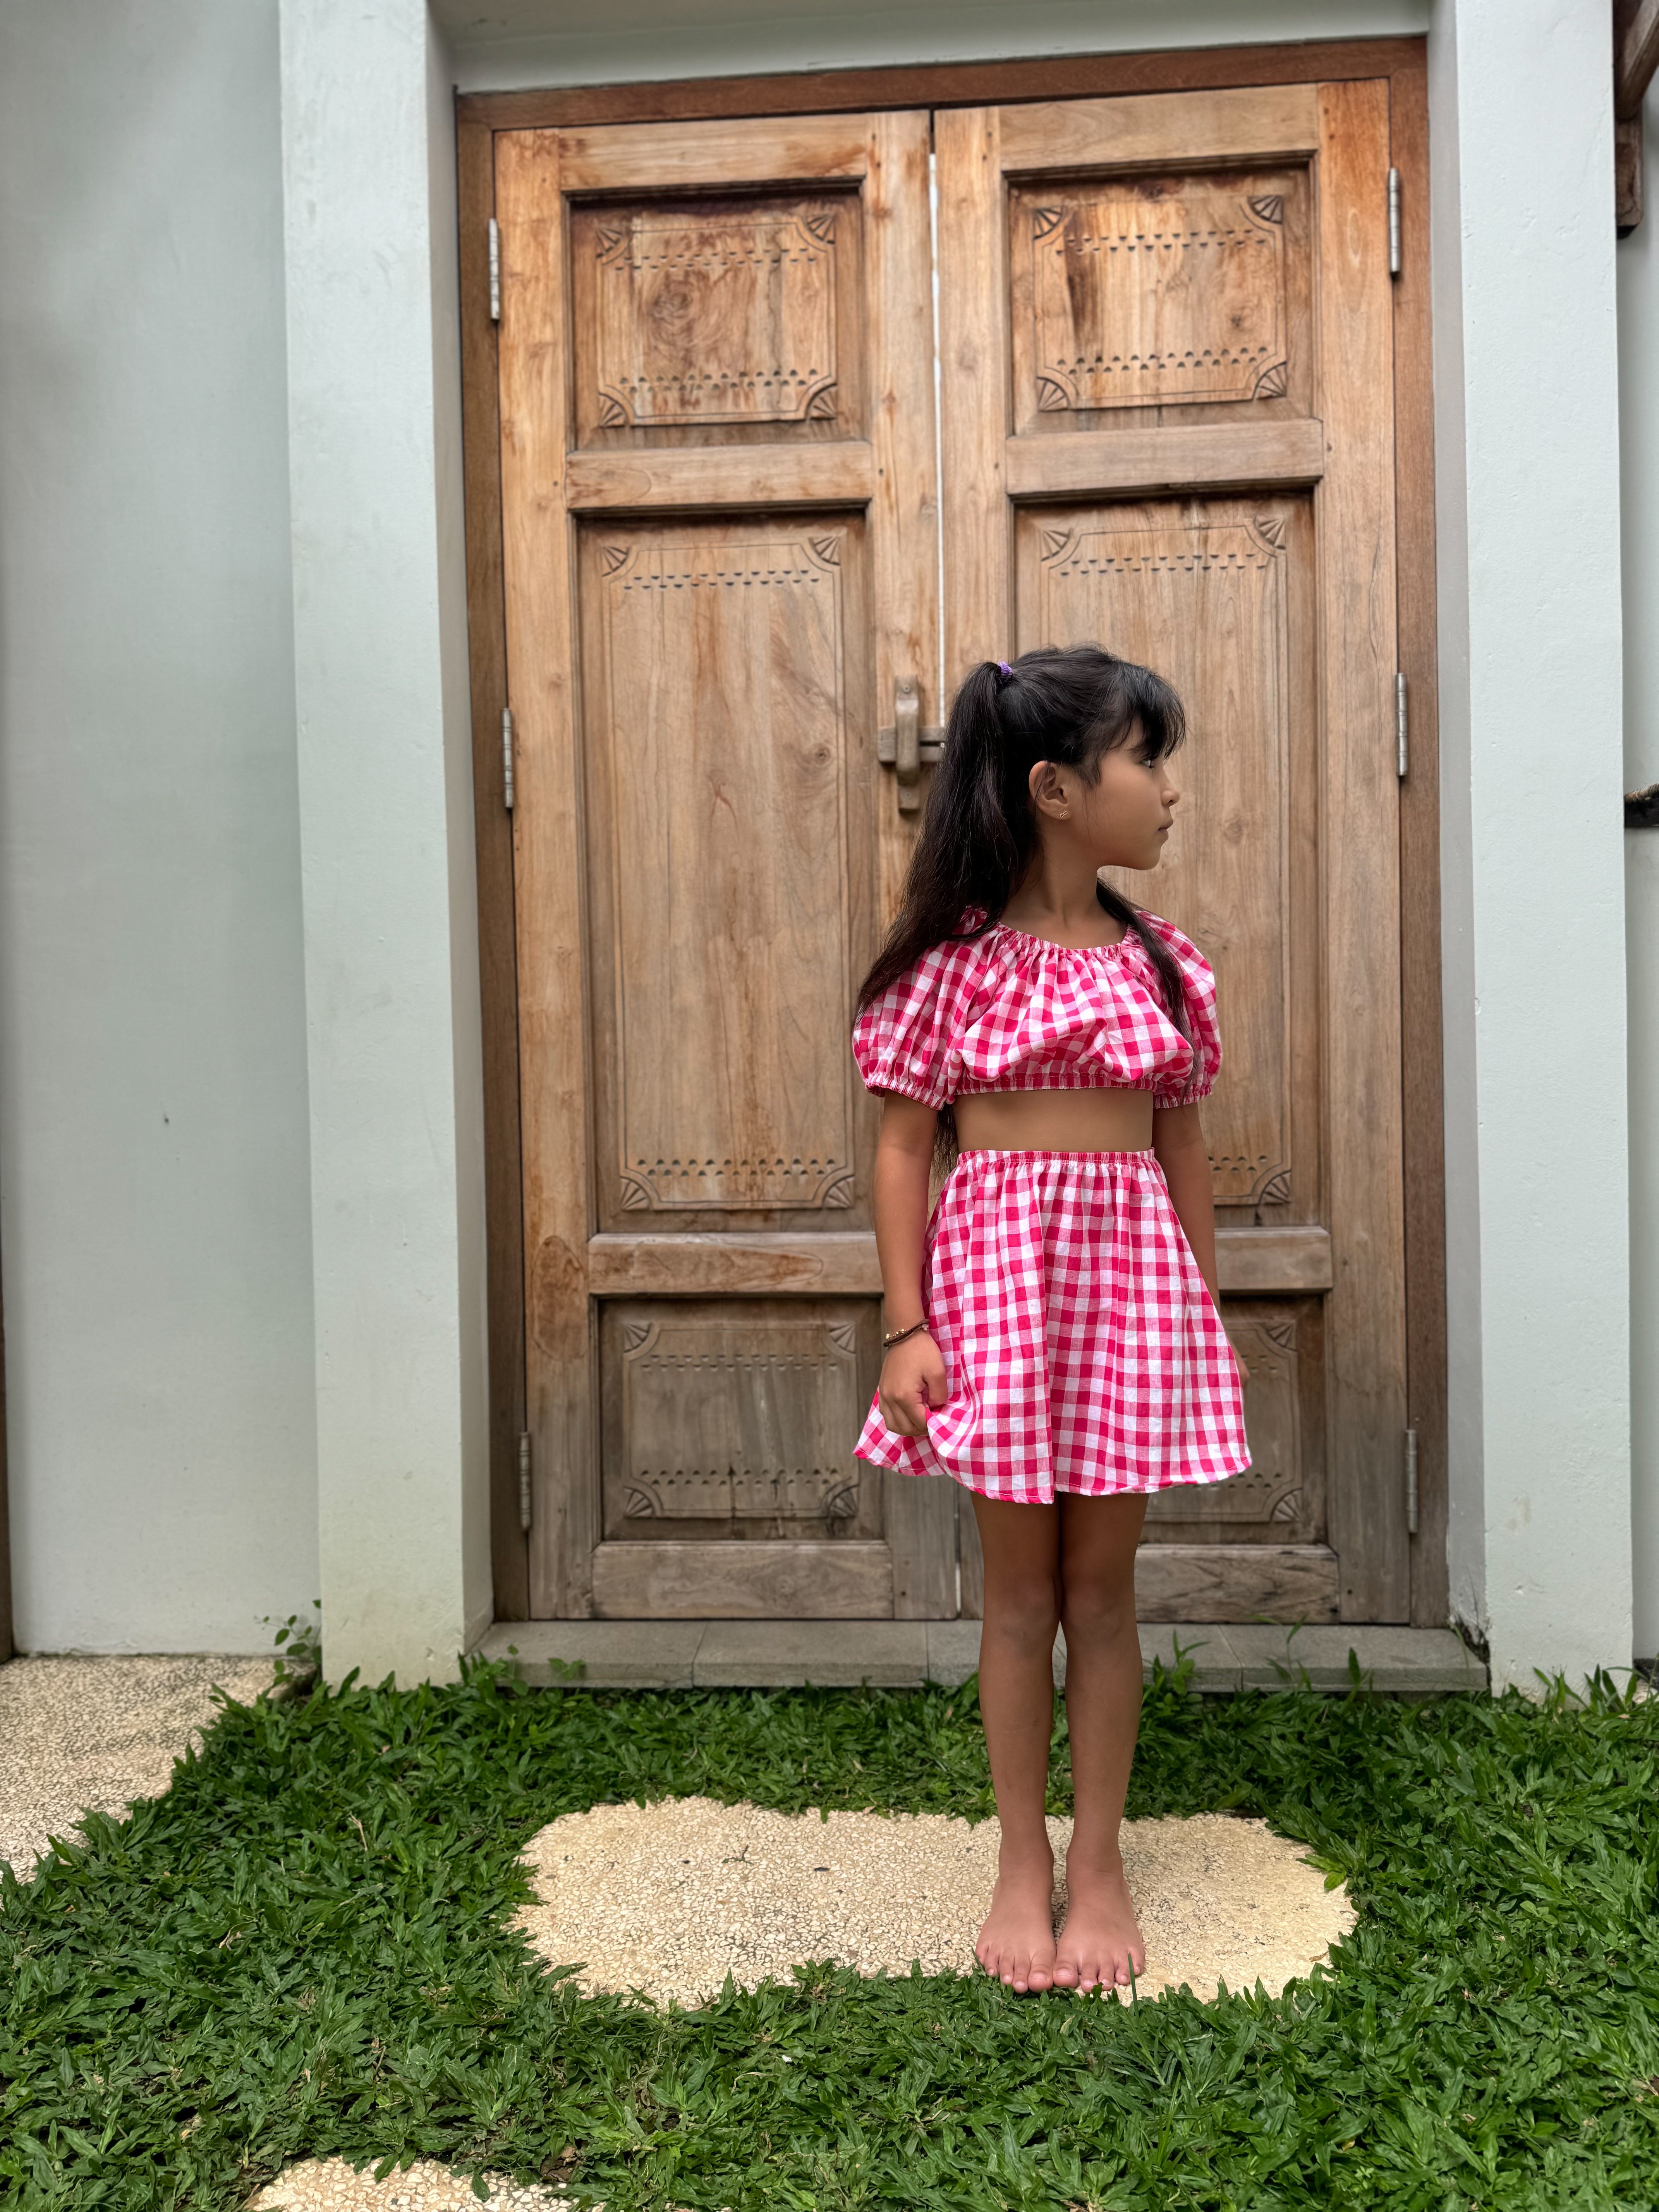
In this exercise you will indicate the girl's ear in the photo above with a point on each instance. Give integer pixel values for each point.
(1047, 789)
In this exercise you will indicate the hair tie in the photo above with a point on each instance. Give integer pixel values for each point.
(1004, 672)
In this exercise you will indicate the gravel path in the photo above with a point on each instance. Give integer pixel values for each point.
(667, 1898)
(328, 2184)
(81, 1735)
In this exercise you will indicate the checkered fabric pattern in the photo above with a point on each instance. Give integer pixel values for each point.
(1006, 1012)
(1083, 1351)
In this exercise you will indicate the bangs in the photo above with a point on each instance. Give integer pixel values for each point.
(1134, 694)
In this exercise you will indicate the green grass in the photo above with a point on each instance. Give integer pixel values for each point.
(303, 1949)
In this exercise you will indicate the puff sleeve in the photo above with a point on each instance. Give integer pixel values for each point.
(907, 1040)
(1172, 1087)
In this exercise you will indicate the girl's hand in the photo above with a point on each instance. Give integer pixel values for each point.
(912, 1380)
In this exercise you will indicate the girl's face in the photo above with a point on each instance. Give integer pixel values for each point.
(1122, 820)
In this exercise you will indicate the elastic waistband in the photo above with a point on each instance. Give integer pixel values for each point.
(987, 1156)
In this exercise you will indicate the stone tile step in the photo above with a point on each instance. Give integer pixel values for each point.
(684, 1654)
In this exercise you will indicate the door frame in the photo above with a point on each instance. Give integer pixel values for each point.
(479, 116)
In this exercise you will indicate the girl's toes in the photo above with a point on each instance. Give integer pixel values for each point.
(1084, 1971)
(1027, 1977)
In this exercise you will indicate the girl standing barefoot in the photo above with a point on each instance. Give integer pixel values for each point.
(1053, 1342)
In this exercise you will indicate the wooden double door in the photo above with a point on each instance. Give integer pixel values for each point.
(797, 418)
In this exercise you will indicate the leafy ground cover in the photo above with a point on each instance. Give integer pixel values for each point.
(304, 1950)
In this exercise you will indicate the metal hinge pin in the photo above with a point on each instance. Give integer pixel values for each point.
(507, 758)
(523, 1483)
(1402, 722)
(495, 270)
(1393, 222)
(1411, 1482)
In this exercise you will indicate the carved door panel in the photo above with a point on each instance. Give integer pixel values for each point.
(1167, 425)
(720, 561)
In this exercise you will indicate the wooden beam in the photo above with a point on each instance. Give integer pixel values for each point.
(840, 472)
(679, 1581)
(1235, 1581)
(842, 1263)
(1420, 861)
(481, 448)
(1627, 165)
(1210, 456)
(1635, 58)
(958, 84)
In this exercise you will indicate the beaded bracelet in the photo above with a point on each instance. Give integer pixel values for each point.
(899, 1335)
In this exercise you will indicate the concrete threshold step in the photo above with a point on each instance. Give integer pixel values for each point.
(770, 1655)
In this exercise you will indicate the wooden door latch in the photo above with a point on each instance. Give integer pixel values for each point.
(906, 747)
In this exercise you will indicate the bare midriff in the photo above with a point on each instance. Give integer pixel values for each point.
(1055, 1121)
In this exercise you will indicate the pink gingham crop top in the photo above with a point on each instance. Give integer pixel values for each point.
(1006, 1012)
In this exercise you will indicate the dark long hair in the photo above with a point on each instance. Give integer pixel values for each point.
(979, 835)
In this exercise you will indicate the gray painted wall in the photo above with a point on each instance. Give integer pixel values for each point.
(153, 1129)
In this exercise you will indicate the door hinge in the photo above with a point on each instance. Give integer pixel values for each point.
(1393, 222)
(524, 1511)
(495, 270)
(1411, 1482)
(507, 758)
(1401, 723)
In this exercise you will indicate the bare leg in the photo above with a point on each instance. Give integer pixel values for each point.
(1017, 1703)
(1101, 1940)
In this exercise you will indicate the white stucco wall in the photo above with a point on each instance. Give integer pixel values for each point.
(1531, 726)
(391, 934)
(1638, 379)
(153, 1138)
(500, 45)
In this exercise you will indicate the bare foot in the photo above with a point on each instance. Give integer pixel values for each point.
(1100, 1942)
(1017, 1943)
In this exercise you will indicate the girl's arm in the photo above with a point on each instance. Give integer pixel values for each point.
(912, 1374)
(1178, 1142)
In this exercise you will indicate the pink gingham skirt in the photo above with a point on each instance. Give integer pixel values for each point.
(1083, 1351)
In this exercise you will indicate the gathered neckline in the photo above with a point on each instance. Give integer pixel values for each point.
(1053, 945)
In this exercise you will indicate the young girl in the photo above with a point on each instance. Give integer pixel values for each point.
(1053, 1342)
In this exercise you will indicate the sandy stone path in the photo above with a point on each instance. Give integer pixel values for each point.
(93, 1734)
(668, 1899)
(328, 2184)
